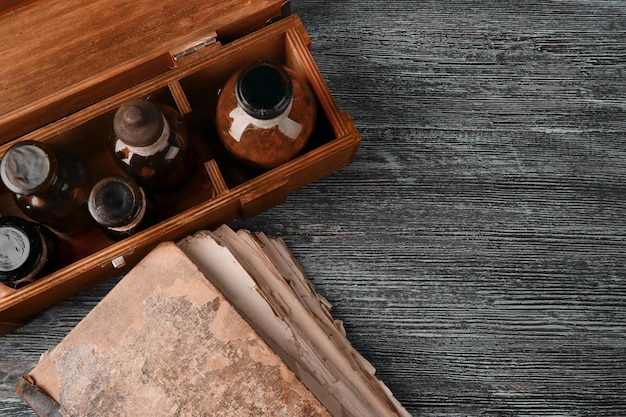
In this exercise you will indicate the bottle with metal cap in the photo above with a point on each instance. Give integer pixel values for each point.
(152, 144)
(265, 114)
(27, 251)
(120, 207)
(48, 185)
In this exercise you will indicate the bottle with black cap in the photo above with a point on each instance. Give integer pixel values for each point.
(265, 114)
(48, 185)
(28, 251)
(152, 144)
(120, 207)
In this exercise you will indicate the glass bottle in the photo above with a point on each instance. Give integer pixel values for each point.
(265, 114)
(48, 185)
(120, 207)
(152, 144)
(28, 251)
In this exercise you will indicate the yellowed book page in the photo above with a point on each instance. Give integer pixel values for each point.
(227, 274)
(282, 258)
(338, 370)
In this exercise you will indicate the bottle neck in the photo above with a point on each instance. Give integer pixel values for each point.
(135, 221)
(264, 90)
(148, 150)
(117, 203)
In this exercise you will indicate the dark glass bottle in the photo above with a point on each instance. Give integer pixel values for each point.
(265, 114)
(152, 144)
(48, 185)
(120, 207)
(28, 251)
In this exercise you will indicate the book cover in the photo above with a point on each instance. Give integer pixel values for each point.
(165, 342)
(223, 323)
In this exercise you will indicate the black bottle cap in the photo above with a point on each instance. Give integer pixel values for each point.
(264, 89)
(115, 201)
(27, 166)
(138, 123)
(21, 248)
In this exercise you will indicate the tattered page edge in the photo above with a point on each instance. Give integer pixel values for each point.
(241, 291)
(362, 393)
(293, 272)
(255, 264)
(293, 275)
(284, 260)
(303, 288)
(288, 305)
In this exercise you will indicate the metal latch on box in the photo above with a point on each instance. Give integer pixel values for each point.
(119, 261)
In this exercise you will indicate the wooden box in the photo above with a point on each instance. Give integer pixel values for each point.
(68, 65)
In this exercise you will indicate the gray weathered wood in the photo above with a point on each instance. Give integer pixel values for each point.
(476, 248)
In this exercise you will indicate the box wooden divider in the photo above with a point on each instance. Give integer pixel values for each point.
(70, 102)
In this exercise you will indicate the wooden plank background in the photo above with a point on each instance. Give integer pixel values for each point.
(476, 248)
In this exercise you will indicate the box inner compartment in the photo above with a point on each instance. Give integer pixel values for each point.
(91, 141)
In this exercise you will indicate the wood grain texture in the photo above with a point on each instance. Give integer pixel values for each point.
(58, 57)
(476, 248)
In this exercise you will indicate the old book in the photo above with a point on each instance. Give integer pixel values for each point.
(223, 323)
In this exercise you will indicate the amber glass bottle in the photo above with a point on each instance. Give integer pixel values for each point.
(27, 251)
(48, 185)
(120, 207)
(265, 114)
(152, 144)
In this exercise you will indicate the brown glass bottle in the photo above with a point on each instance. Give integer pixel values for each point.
(265, 114)
(48, 185)
(152, 144)
(120, 207)
(28, 251)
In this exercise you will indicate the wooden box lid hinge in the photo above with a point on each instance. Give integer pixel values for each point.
(68, 60)
(192, 47)
(212, 37)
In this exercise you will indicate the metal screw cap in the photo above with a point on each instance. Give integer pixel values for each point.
(27, 166)
(21, 246)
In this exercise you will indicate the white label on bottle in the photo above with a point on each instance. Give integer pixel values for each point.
(145, 151)
(242, 120)
(14, 248)
(172, 152)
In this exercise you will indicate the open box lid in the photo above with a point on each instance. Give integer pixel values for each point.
(58, 56)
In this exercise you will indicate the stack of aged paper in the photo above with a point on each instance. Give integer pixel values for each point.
(223, 323)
